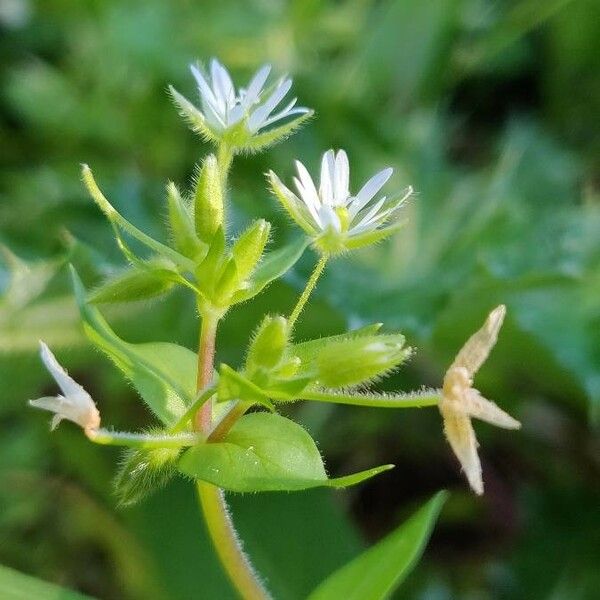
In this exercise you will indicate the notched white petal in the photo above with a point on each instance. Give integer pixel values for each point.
(75, 405)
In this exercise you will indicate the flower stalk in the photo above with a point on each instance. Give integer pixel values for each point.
(310, 286)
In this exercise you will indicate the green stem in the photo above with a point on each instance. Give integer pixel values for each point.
(224, 158)
(310, 286)
(206, 395)
(212, 501)
(206, 355)
(228, 421)
(419, 399)
(228, 545)
(142, 440)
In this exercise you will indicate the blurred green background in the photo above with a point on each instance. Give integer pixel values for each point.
(490, 109)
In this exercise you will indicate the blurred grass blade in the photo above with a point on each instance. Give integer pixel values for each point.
(18, 586)
(378, 571)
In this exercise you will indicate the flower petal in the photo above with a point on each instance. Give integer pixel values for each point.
(255, 87)
(477, 348)
(327, 177)
(368, 190)
(461, 437)
(260, 115)
(341, 180)
(479, 407)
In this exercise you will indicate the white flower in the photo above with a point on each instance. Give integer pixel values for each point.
(224, 107)
(332, 213)
(460, 401)
(75, 405)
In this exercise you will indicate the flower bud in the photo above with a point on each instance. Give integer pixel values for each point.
(269, 343)
(249, 247)
(180, 222)
(208, 200)
(355, 361)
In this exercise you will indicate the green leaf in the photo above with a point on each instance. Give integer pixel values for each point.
(273, 266)
(265, 452)
(116, 218)
(164, 374)
(378, 571)
(18, 586)
(134, 284)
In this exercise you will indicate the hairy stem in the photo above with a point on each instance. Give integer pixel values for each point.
(142, 440)
(206, 355)
(227, 543)
(229, 420)
(310, 286)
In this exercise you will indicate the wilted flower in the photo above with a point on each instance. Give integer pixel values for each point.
(225, 108)
(335, 218)
(75, 405)
(460, 401)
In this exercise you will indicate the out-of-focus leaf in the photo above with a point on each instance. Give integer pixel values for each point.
(134, 284)
(265, 452)
(18, 586)
(379, 570)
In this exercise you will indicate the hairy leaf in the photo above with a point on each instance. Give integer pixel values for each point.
(265, 452)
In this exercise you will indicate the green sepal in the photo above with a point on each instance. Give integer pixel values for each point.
(308, 351)
(373, 237)
(360, 360)
(193, 116)
(234, 386)
(289, 389)
(163, 374)
(182, 226)
(117, 219)
(208, 200)
(268, 343)
(274, 264)
(142, 472)
(377, 572)
(261, 141)
(135, 284)
(265, 452)
(206, 273)
(227, 283)
(292, 207)
(249, 247)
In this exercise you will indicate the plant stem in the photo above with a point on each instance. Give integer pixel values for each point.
(206, 354)
(214, 508)
(227, 543)
(310, 286)
(143, 440)
(224, 158)
(229, 420)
